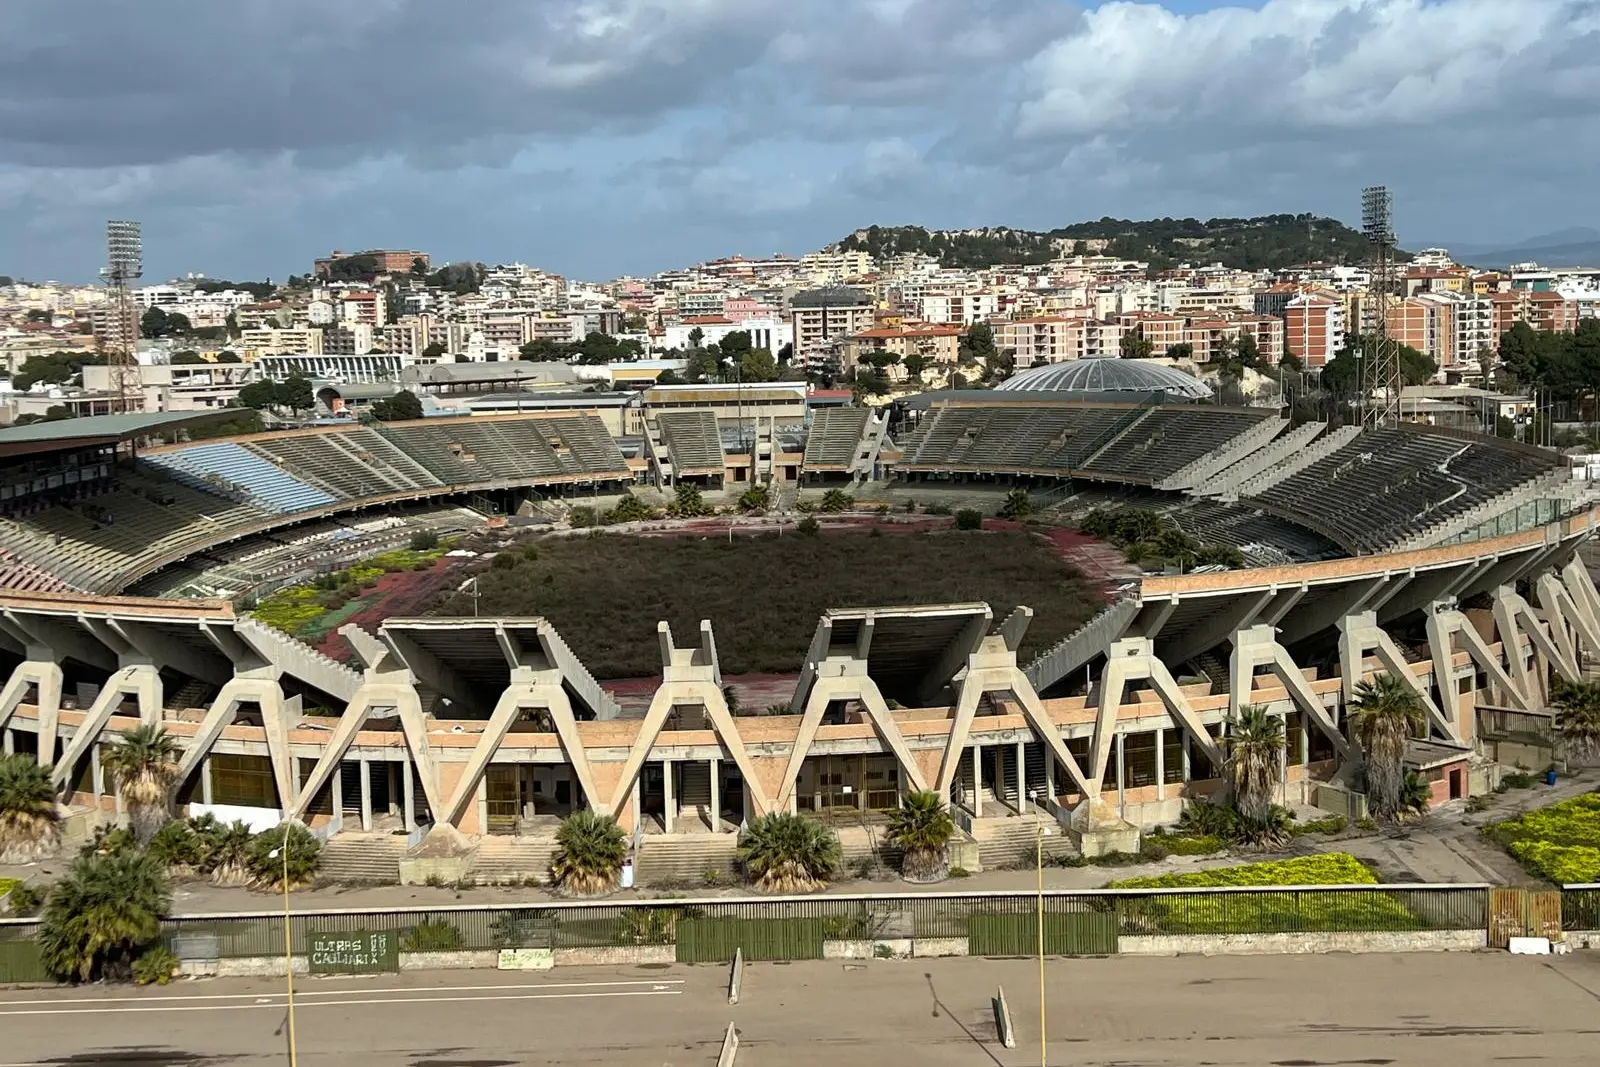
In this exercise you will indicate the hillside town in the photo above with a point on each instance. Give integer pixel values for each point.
(362, 326)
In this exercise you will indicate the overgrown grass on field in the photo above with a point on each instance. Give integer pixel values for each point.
(764, 594)
(1294, 910)
(302, 610)
(1559, 843)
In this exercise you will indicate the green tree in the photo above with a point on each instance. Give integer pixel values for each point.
(29, 826)
(1255, 750)
(543, 350)
(836, 500)
(294, 393)
(227, 356)
(436, 349)
(1385, 714)
(629, 509)
(1017, 505)
(916, 363)
(784, 853)
(703, 365)
(1577, 722)
(757, 498)
(735, 343)
(922, 827)
(101, 913)
(288, 850)
(969, 519)
(187, 357)
(590, 850)
(696, 335)
(419, 267)
(1181, 350)
(143, 762)
(757, 365)
(687, 503)
(1136, 346)
(259, 395)
(400, 407)
(980, 340)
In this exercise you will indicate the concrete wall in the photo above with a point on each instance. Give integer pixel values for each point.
(1274, 944)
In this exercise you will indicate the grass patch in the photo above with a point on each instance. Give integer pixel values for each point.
(8, 884)
(764, 594)
(311, 610)
(1294, 910)
(1559, 843)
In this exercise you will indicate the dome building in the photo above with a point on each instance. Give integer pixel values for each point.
(1085, 378)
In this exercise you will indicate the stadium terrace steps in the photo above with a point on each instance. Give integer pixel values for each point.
(684, 859)
(1016, 841)
(508, 860)
(299, 659)
(835, 438)
(1276, 451)
(358, 857)
(693, 440)
(1295, 462)
(1248, 443)
(232, 470)
(1092, 639)
(1553, 487)
(1167, 439)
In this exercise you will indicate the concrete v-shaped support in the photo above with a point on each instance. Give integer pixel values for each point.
(1446, 623)
(709, 695)
(1560, 605)
(1258, 647)
(1359, 634)
(47, 679)
(388, 683)
(1512, 616)
(546, 695)
(1134, 659)
(141, 680)
(277, 712)
(828, 687)
(1581, 588)
(992, 668)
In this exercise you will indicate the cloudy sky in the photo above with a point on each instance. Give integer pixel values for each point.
(600, 137)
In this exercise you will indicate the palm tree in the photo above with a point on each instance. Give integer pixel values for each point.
(922, 827)
(785, 853)
(1385, 713)
(144, 763)
(287, 850)
(590, 850)
(1255, 754)
(1578, 719)
(29, 826)
(99, 915)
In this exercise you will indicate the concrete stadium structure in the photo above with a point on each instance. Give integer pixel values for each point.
(474, 735)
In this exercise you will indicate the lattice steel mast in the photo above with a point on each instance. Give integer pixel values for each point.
(124, 264)
(1381, 381)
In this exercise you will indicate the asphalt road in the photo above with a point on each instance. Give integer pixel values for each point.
(1412, 1011)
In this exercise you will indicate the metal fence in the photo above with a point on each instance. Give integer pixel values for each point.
(1580, 907)
(998, 923)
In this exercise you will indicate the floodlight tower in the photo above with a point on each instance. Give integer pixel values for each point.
(1381, 381)
(124, 264)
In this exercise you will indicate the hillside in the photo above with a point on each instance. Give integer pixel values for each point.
(1268, 242)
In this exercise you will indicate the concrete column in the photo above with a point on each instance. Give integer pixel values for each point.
(366, 795)
(1283, 773)
(1022, 777)
(1305, 740)
(977, 781)
(205, 781)
(1161, 763)
(1187, 776)
(408, 806)
(1122, 800)
(336, 793)
(668, 801)
(716, 795)
(637, 804)
(482, 795)
(8, 744)
(97, 776)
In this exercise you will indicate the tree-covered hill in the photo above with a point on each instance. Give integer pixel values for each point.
(1268, 242)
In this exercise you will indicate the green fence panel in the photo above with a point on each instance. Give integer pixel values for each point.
(714, 940)
(19, 962)
(1083, 933)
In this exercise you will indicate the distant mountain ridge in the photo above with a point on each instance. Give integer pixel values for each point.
(1576, 246)
(1267, 242)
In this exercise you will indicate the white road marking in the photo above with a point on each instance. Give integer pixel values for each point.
(340, 1003)
(273, 998)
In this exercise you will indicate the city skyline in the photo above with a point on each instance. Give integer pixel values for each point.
(629, 136)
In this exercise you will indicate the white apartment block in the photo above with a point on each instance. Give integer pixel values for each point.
(300, 341)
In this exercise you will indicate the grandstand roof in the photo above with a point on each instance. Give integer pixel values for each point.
(1108, 375)
(93, 430)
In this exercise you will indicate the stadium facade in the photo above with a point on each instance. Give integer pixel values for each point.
(1449, 560)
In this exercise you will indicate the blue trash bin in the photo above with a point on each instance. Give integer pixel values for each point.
(1550, 776)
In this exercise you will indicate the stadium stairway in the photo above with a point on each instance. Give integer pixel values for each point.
(1011, 842)
(1091, 639)
(684, 859)
(358, 857)
(512, 860)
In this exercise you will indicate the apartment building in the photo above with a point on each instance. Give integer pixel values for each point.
(299, 341)
(266, 314)
(938, 345)
(389, 260)
(962, 309)
(1450, 327)
(351, 339)
(822, 318)
(180, 387)
(1040, 339)
(1313, 328)
(1162, 331)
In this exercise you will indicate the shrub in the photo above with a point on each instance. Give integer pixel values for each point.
(969, 519)
(177, 846)
(629, 509)
(21, 899)
(836, 500)
(506, 561)
(582, 516)
(224, 849)
(155, 966)
(757, 498)
(808, 526)
(1476, 803)
(110, 841)
(937, 509)
(1017, 505)
(1561, 864)
(687, 503)
(29, 826)
(786, 853)
(98, 916)
(1560, 843)
(1328, 824)
(1518, 780)
(590, 850)
(431, 935)
(1189, 844)
(922, 827)
(1331, 868)
(423, 541)
(304, 853)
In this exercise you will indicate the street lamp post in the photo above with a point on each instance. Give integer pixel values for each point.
(1038, 861)
(288, 942)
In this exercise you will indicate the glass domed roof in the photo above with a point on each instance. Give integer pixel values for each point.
(1108, 375)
